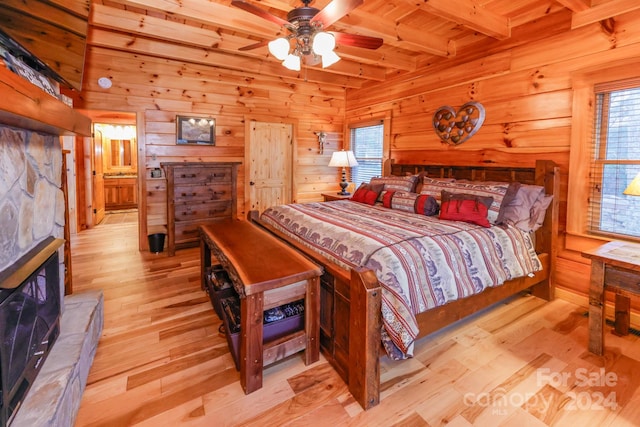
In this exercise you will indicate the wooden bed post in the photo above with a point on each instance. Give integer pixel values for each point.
(364, 337)
(548, 175)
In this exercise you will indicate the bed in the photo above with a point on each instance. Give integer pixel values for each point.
(364, 298)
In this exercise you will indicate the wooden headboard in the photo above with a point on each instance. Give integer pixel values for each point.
(545, 173)
(472, 173)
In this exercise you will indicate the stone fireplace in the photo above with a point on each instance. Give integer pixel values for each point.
(31, 201)
(29, 322)
(32, 208)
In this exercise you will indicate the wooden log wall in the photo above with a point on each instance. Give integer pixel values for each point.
(525, 85)
(159, 90)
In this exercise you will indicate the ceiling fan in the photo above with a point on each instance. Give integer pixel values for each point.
(306, 25)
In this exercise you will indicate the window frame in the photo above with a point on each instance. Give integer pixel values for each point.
(370, 120)
(583, 114)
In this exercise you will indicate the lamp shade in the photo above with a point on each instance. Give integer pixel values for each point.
(279, 48)
(329, 59)
(292, 62)
(323, 43)
(343, 159)
(633, 189)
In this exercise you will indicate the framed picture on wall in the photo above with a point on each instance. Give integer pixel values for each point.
(195, 130)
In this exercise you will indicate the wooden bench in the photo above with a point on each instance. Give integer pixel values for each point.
(266, 273)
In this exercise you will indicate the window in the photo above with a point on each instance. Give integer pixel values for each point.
(367, 144)
(615, 160)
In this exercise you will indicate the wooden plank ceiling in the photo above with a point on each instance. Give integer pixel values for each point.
(415, 32)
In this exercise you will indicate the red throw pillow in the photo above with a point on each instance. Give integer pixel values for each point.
(465, 207)
(387, 197)
(426, 205)
(366, 194)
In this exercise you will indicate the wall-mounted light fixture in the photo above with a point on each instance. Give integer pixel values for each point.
(322, 138)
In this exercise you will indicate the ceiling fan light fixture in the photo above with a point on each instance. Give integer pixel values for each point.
(329, 58)
(323, 43)
(279, 48)
(292, 62)
(305, 25)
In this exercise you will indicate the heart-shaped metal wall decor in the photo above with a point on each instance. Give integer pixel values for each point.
(453, 127)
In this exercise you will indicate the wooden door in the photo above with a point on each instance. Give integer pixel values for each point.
(270, 164)
(97, 181)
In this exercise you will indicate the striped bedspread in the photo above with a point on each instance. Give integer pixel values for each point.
(421, 262)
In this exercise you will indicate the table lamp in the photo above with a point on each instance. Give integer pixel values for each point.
(343, 159)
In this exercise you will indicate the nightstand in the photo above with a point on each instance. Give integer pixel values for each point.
(615, 266)
(334, 196)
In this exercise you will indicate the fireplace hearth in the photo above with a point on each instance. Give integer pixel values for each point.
(29, 322)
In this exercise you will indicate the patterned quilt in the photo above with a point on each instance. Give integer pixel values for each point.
(421, 262)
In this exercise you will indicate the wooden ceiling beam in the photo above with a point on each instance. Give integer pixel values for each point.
(384, 56)
(468, 13)
(397, 34)
(603, 11)
(575, 5)
(135, 23)
(210, 13)
(46, 13)
(79, 7)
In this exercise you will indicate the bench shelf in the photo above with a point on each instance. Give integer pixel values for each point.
(265, 273)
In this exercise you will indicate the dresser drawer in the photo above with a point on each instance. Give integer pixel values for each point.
(198, 193)
(200, 175)
(187, 231)
(192, 211)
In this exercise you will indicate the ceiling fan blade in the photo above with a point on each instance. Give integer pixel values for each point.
(335, 10)
(357, 41)
(254, 46)
(259, 12)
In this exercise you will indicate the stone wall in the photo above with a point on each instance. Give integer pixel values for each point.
(31, 201)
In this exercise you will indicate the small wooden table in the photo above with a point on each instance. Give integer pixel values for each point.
(266, 273)
(615, 266)
(335, 196)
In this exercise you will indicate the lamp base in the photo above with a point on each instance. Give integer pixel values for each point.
(343, 185)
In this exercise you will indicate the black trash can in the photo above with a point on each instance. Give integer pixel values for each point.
(156, 242)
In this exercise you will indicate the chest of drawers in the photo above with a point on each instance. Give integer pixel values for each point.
(198, 193)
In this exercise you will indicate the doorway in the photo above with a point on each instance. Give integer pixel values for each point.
(270, 164)
(115, 173)
(88, 166)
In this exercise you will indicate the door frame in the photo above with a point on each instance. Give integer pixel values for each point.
(247, 154)
(97, 171)
(84, 190)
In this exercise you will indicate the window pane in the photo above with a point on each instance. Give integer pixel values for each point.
(367, 146)
(366, 170)
(624, 126)
(619, 213)
(616, 162)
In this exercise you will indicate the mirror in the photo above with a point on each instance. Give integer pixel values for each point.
(119, 151)
(52, 31)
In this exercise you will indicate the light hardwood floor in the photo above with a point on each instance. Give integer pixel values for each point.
(161, 361)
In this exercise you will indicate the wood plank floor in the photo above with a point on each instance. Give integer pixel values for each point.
(161, 361)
